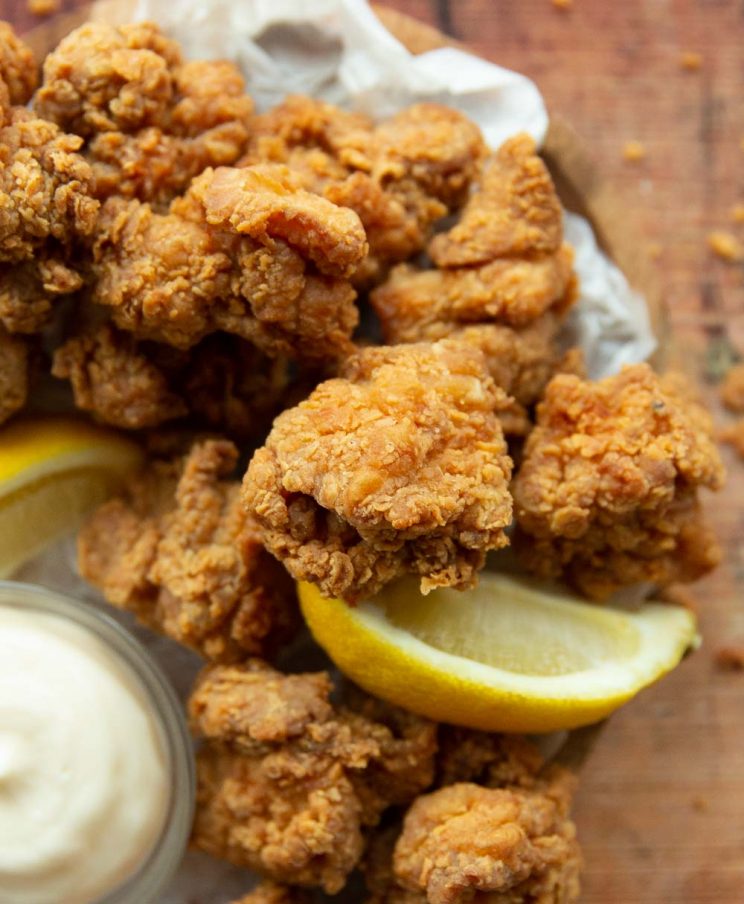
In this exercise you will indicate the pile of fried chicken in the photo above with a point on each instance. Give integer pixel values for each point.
(196, 271)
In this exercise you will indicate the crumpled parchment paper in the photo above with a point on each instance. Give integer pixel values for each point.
(338, 50)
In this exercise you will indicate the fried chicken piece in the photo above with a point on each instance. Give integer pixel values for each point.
(224, 382)
(504, 262)
(400, 177)
(245, 251)
(45, 211)
(324, 141)
(515, 212)
(152, 122)
(282, 770)
(266, 203)
(178, 551)
(14, 374)
(465, 839)
(607, 494)
(732, 389)
(272, 893)
(514, 766)
(104, 78)
(398, 466)
(436, 147)
(414, 305)
(18, 74)
(116, 382)
(404, 765)
(155, 166)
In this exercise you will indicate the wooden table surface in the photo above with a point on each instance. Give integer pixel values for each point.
(661, 805)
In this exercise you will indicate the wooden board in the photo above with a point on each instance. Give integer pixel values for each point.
(661, 805)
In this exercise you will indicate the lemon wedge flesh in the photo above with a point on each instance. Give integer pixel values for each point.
(52, 472)
(505, 656)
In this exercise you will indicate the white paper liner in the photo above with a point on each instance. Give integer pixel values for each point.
(339, 51)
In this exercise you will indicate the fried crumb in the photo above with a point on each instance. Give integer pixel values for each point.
(734, 436)
(700, 804)
(737, 213)
(634, 151)
(43, 7)
(562, 4)
(655, 250)
(732, 389)
(726, 246)
(731, 658)
(691, 60)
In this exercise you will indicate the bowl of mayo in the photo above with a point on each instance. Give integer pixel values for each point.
(96, 764)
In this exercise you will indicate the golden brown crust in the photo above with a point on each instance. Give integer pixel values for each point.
(515, 212)
(465, 839)
(224, 382)
(115, 381)
(419, 304)
(607, 491)
(422, 488)
(106, 78)
(247, 264)
(45, 211)
(151, 121)
(178, 551)
(286, 781)
(400, 177)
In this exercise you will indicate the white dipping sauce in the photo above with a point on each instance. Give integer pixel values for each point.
(84, 786)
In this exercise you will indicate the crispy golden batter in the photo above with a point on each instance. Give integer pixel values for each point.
(404, 765)
(607, 494)
(282, 778)
(14, 374)
(398, 466)
(400, 177)
(325, 138)
(414, 305)
(462, 845)
(113, 379)
(271, 893)
(246, 251)
(266, 202)
(154, 166)
(179, 552)
(103, 78)
(18, 74)
(521, 361)
(504, 262)
(151, 121)
(515, 212)
(45, 211)
(224, 382)
(465, 839)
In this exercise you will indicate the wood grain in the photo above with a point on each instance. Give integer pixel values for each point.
(661, 806)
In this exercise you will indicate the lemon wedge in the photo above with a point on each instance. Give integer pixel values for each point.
(505, 656)
(52, 472)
